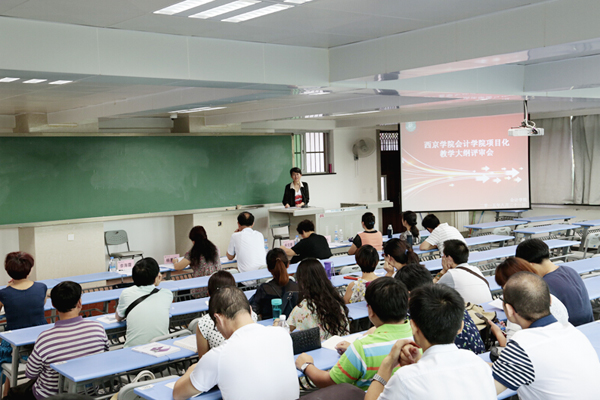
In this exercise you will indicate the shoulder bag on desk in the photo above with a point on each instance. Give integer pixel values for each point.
(139, 300)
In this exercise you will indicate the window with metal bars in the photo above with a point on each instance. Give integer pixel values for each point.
(311, 152)
(389, 140)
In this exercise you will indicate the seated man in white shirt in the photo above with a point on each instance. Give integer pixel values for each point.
(439, 233)
(547, 359)
(465, 279)
(255, 361)
(443, 371)
(247, 244)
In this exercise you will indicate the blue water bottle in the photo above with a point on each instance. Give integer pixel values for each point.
(276, 304)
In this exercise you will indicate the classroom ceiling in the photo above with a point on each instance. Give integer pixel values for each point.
(329, 61)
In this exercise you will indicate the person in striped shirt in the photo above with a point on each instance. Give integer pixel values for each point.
(71, 337)
(387, 304)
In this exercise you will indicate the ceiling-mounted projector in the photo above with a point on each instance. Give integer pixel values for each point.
(526, 131)
(527, 127)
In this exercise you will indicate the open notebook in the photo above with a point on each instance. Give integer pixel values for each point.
(188, 342)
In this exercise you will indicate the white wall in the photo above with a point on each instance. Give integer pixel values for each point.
(346, 186)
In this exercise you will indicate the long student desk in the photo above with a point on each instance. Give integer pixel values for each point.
(545, 218)
(502, 252)
(79, 371)
(493, 225)
(534, 230)
(518, 212)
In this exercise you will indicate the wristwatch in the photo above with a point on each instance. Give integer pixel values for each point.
(304, 366)
(380, 379)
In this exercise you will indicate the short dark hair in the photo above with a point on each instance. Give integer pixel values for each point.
(145, 271)
(367, 258)
(296, 170)
(18, 264)
(218, 280)
(457, 249)
(369, 220)
(65, 296)
(245, 219)
(388, 298)
(533, 250)
(305, 226)
(438, 311)
(528, 294)
(430, 221)
(413, 276)
(228, 301)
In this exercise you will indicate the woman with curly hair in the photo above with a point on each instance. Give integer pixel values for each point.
(321, 304)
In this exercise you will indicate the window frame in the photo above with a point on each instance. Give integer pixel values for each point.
(300, 153)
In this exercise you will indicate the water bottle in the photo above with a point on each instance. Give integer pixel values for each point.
(336, 238)
(328, 269)
(297, 240)
(341, 235)
(390, 231)
(283, 323)
(112, 265)
(266, 246)
(410, 239)
(276, 304)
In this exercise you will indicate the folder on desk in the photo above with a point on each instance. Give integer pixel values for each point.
(156, 349)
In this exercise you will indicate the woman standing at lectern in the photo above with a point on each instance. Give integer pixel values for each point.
(296, 193)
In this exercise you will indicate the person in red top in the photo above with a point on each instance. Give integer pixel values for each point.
(370, 236)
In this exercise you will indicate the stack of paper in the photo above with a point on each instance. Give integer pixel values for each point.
(188, 342)
(156, 349)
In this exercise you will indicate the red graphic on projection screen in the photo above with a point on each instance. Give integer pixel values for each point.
(464, 164)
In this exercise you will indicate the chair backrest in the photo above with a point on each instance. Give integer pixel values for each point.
(350, 269)
(193, 325)
(183, 332)
(126, 392)
(113, 238)
(593, 241)
(505, 230)
(232, 270)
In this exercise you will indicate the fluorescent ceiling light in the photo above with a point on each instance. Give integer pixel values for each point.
(224, 9)
(297, 1)
(314, 116)
(59, 82)
(7, 79)
(181, 7)
(257, 13)
(35, 80)
(356, 113)
(192, 110)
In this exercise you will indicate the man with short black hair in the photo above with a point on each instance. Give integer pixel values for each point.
(439, 233)
(564, 282)
(546, 359)
(416, 275)
(456, 273)
(387, 301)
(145, 307)
(255, 361)
(312, 244)
(443, 371)
(71, 337)
(370, 235)
(247, 244)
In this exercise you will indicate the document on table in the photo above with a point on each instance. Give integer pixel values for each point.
(334, 340)
(156, 349)
(497, 304)
(188, 342)
(108, 319)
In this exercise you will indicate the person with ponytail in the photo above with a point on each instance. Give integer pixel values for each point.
(280, 287)
(396, 254)
(409, 221)
(203, 258)
(367, 259)
(370, 235)
(321, 303)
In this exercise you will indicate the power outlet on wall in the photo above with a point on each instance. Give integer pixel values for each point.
(71, 237)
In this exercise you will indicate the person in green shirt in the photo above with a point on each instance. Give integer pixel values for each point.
(387, 304)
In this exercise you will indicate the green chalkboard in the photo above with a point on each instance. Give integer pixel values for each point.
(59, 178)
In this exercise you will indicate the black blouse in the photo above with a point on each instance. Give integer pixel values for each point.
(289, 195)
